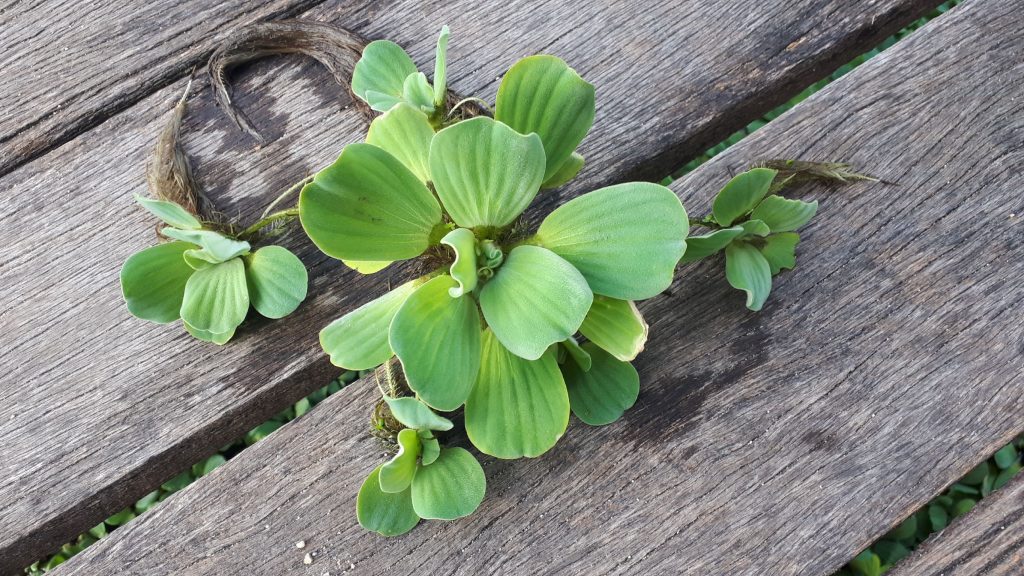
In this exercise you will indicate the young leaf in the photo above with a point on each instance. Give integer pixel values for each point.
(384, 513)
(463, 270)
(569, 169)
(746, 269)
(451, 487)
(698, 247)
(218, 338)
(383, 68)
(367, 266)
(741, 195)
(518, 407)
(153, 282)
(784, 215)
(417, 415)
(277, 281)
(755, 228)
(542, 94)
(405, 133)
(431, 448)
(359, 340)
(534, 300)
(579, 356)
(368, 206)
(441, 68)
(616, 326)
(625, 239)
(170, 213)
(216, 298)
(485, 173)
(216, 247)
(601, 395)
(417, 91)
(382, 102)
(396, 475)
(780, 251)
(437, 338)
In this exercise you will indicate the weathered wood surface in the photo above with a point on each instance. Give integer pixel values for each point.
(988, 541)
(97, 408)
(774, 443)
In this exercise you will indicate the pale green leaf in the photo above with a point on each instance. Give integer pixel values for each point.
(384, 513)
(754, 228)
(746, 269)
(359, 340)
(219, 338)
(277, 281)
(382, 102)
(396, 475)
(570, 168)
(415, 414)
(451, 487)
(383, 68)
(625, 239)
(170, 213)
(780, 251)
(602, 394)
(216, 247)
(367, 266)
(405, 133)
(741, 195)
(197, 258)
(431, 448)
(437, 338)
(216, 298)
(441, 68)
(577, 354)
(784, 215)
(534, 300)
(698, 247)
(153, 282)
(542, 94)
(485, 173)
(616, 326)
(368, 206)
(463, 270)
(518, 407)
(417, 91)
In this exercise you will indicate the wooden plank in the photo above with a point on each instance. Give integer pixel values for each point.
(97, 408)
(988, 541)
(772, 443)
(70, 65)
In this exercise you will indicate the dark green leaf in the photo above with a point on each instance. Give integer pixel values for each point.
(746, 269)
(780, 251)
(741, 195)
(384, 513)
(698, 247)
(784, 215)
(601, 395)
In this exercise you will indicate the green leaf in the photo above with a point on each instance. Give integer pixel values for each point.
(625, 239)
(1006, 456)
(1004, 476)
(963, 506)
(121, 517)
(977, 475)
(302, 406)
(178, 482)
(441, 68)
(451, 487)
(219, 338)
(579, 356)
(437, 338)
(938, 517)
(100, 530)
(417, 91)
(906, 530)
(784, 215)
(616, 326)
(383, 68)
(431, 448)
(485, 173)
(542, 94)
(209, 465)
(754, 228)
(746, 269)
(396, 475)
(277, 281)
(891, 552)
(569, 169)
(384, 513)
(741, 195)
(601, 395)
(698, 247)
(367, 266)
(417, 415)
(382, 102)
(867, 564)
(216, 299)
(405, 133)
(780, 251)
(170, 213)
(359, 340)
(368, 206)
(153, 282)
(463, 270)
(534, 300)
(216, 247)
(518, 407)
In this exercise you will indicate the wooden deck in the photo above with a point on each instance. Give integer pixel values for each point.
(760, 446)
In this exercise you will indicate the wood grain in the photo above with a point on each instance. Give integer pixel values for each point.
(886, 366)
(989, 541)
(97, 408)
